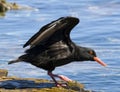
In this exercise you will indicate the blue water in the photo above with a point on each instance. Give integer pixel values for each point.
(99, 28)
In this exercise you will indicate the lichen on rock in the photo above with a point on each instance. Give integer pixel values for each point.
(15, 84)
(3, 73)
(5, 6)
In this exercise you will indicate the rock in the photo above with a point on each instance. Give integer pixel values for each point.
(15, 84)
(3, 73)
(5, 6)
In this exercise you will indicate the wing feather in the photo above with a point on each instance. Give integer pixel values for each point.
(62, 24)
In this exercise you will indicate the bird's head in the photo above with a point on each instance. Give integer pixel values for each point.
(87, 54)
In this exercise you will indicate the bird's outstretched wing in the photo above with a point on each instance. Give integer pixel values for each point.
(55, 31)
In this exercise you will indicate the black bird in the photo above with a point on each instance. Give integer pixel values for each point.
(52, 47)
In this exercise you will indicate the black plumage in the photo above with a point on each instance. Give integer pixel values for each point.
(52, 47)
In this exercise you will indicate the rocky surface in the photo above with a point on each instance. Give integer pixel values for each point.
(3, 73)
(5, 6)
(15, 84)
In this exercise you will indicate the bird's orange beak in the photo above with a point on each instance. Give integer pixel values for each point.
(99, 61)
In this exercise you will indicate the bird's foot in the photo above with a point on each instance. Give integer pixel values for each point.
(62, 77)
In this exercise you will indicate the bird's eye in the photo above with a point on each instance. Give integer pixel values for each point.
(91, 52)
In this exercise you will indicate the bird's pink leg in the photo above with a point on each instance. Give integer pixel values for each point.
(65, 78)
(59, 76)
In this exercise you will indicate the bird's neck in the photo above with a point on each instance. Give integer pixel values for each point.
(78, 53)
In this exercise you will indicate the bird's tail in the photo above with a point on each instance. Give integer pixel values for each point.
(14, 61)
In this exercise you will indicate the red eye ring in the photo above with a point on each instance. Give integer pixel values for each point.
(91, 52)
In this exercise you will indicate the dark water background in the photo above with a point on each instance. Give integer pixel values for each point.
(99, 29)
